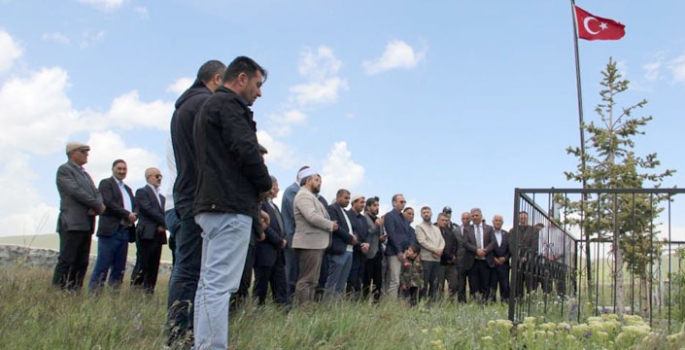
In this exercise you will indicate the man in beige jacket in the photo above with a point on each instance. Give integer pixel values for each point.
(432, 245)
(312, 236)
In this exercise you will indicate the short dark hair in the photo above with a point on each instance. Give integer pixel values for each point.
(426, 207)
(341, 192)
(370, 201)
(209, 69)
(407, 209)
(415, 247)
(243, 64)
(114, 163)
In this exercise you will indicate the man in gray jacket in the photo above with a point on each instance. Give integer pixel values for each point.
(312, 236)
(80, 202)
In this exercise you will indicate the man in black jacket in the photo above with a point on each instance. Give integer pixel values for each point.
(186, 271)
(115, 229)
(151, 231)
(269, 264)
(339, 254)
(231, 179)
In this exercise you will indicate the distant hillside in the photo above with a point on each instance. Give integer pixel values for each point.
(51, 241)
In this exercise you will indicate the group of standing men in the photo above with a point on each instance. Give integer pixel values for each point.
(123, 218)
(225, 224)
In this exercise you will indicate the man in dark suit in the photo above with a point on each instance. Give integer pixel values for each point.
(339, 254)
(151, 231)
(478, 260)
(501, 254)
(79, 203)
(399, 238)
(526, 238)
(269, 265)
(361, 229)
(115, 229)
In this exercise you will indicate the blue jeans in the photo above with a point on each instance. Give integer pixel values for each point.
(339, 266)
(112, 251)
(184, 277)
(225, 239)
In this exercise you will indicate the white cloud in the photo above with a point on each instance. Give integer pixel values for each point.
(180, 85)
(127, 112)
(37, 106)
(24, 212)
(397, 54)
(280, 124)
(652, 70)
(280, 153)
(318, 65)
(104, 5)
(106, 146)
(318, 92)
(10, 51)
(88, 37)
(677, 67)
(142, 11)
(56, 37)
(340, 171)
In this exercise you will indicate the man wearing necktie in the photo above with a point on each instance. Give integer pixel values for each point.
(478, 261)
(269, 265)
(151, 231)
(80, 202)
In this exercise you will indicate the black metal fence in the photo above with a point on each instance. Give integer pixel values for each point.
(580, 253)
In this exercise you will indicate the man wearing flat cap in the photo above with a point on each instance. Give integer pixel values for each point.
(80, 202)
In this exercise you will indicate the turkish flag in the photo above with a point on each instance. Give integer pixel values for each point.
(591, 27)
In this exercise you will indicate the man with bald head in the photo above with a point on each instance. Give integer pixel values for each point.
(151, 231)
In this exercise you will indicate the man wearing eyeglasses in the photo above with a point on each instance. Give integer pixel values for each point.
(80, 202)
(399, 239)
(151, 231)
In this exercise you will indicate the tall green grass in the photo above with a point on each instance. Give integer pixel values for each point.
(33, 315)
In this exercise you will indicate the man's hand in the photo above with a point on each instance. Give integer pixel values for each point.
(261, 237)
(480, 253)
(132, 217)
(400, 257)
(379, 222)
(438, 253)
(335, 225)
(383, 238)
(161, 229)
(92, 212)
(354, 240)
(285, 244)
(364, 247)
(102, 209)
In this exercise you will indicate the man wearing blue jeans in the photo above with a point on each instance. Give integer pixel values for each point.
(186, 272)
(231, 180)
(114, 228)
(342, 245)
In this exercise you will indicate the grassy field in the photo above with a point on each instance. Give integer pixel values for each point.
(34, 316)
(51, 241)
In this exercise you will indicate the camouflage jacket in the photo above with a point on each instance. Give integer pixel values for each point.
(412, 274)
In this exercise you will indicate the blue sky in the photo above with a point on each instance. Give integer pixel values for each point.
(452, 103)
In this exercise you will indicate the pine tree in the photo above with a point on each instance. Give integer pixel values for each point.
(626, 220)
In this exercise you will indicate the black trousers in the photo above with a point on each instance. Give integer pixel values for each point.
(500, 278)
(72, 262)
(147, 266)
(354, 280)
(273, 276)
(373, 272)
(479, 279)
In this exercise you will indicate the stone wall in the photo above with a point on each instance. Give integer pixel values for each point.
(16, 255)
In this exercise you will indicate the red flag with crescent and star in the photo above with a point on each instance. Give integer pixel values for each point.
(591, 27)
